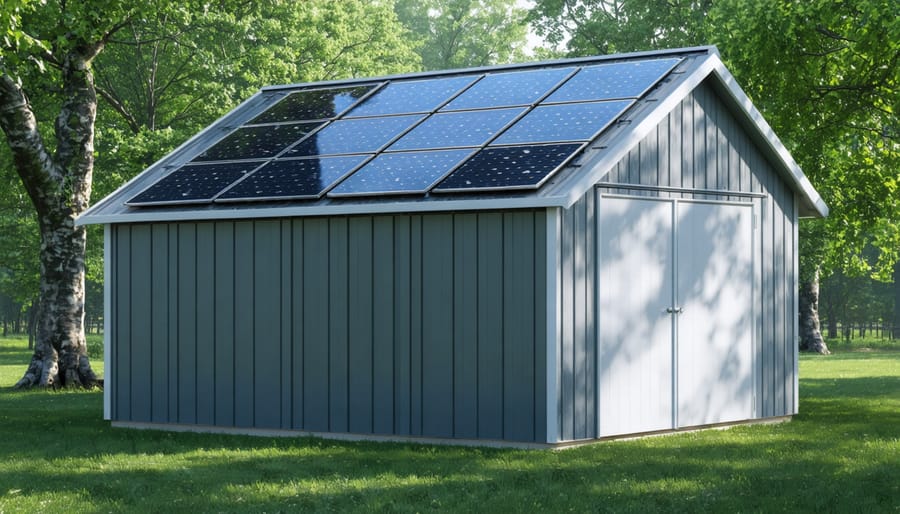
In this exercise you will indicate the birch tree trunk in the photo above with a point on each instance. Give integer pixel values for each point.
(59, 186)
(810, 332)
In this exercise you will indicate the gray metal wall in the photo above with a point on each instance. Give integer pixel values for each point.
(424, 325)
(699, 145)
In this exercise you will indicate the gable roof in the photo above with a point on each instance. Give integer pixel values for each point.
(593, 159)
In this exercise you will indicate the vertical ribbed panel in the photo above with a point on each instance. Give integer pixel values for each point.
(699, 145)
(410, 324)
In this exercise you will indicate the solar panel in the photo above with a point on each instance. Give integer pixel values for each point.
(510, 88)
(292, 179)
(411, 97)
(616, 80)
(363, 135)
(510, 167)
(312, 104)
(563, 122)
(256, 142)
(193, 183)
(400, 173)
(457, 129)
(509, 129)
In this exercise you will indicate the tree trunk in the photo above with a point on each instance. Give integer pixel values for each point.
(810, 334)
(896, 322)
(59, 186)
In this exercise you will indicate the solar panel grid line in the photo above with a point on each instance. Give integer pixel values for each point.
(408, 142)
(163, 182)
(315, 103)
(321, 193)
(456, 155)
(525, 112)
(430, 110)
(614, 112)
(296, 149)
(654, 70)
(228, 148)
(476, 97)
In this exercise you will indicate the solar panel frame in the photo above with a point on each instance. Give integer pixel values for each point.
(318, 125)
(448, 107)
(334, 193)
(290, 151)
(529, 187)
(499, 139)
(365, 158)
(474, 78)
(253, 165)
(522, 111)
(584, 70)
(373, 88)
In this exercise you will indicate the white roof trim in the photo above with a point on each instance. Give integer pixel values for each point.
(329, 210)
(796, 176)
(563, 194)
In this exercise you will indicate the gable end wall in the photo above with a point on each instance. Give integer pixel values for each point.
(699, 145)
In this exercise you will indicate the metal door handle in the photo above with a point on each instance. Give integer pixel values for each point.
(672, 310)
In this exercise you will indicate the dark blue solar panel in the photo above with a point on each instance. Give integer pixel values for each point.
(452, 129)
(365, 135)
(193, 183)
(293, 178)
(313, 104)
(511, 167)
(411, 96)
(616, 80)
(256, 142)
(400, 173)
(511, 88)
(565, 122)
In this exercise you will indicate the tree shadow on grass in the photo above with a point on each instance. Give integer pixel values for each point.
(838, 455)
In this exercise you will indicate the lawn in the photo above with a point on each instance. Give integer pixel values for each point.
(840, 454)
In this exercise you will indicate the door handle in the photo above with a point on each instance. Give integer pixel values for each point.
(672, 310)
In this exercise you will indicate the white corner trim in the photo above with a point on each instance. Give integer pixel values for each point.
(107, 322)
(553, 321)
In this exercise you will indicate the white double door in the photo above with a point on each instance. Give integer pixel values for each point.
(675, 298)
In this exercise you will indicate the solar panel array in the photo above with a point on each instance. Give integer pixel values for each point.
(500, 131)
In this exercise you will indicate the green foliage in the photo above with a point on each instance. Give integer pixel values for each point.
(825, 75)
(841, 448)
(599, 27)
(166, 71)
(465, 33)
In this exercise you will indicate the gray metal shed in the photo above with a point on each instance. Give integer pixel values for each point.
(649, 284)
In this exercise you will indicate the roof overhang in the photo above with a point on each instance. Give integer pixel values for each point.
(564, 192)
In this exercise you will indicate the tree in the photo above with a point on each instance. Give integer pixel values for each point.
(465, 33)
(824, 74)
(163, 70)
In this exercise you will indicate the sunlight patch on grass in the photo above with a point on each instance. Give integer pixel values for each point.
(58, 455)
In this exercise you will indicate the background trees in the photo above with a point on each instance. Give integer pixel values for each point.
(825, 75)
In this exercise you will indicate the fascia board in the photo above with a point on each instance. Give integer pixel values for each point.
(530, 202)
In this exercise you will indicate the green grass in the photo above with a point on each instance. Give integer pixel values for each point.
(840, 454)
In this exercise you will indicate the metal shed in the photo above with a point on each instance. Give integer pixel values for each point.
(579, 249)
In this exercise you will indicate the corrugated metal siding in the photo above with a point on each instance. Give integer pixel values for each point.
(578, 330)
(699, 145)
(429, 325)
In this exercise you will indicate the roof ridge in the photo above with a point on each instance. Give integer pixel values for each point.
(595, 59)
